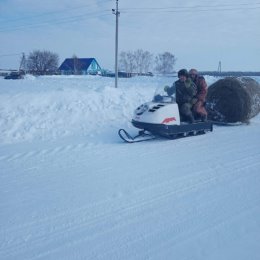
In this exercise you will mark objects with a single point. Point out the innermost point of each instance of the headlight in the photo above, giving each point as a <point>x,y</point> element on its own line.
<point>140,110</point>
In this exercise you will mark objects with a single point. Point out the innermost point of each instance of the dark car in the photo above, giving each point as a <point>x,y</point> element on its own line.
<point>14,75</point>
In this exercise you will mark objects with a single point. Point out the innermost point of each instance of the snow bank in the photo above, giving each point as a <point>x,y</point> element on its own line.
<point>43,108</point>
<point>50,107</point>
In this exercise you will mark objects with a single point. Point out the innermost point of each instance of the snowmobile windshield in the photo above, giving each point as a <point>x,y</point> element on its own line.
<point>164,94</point>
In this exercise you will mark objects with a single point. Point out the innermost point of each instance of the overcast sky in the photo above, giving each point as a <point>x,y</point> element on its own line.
<point>198,33</point>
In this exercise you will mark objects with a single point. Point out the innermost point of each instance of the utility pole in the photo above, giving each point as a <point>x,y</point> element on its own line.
<point>22,63</point>
<point>219,67</point>
<point>117,13</point>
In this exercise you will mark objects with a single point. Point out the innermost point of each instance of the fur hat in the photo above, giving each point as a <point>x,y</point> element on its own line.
<point>183,72</point>
<point>193,72</point>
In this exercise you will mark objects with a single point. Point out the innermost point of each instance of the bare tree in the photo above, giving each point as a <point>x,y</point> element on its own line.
<point>138,61</point>
<point>143,61</point>
<point>23,63</point>
<point>164,63</point>
<point>127,61</point>
<point>42,62</point>
<point>131,61</point>
<point>123,61</point>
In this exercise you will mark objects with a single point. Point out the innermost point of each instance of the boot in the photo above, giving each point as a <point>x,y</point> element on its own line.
<point>190,119</point>
<point>204,118</point>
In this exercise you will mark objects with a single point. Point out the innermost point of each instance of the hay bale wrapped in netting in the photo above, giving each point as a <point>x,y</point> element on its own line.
<point>233,100</point>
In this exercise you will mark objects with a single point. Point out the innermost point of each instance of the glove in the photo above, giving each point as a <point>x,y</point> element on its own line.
<point>158,98</point>
<point>194,101</point>
<point>169,90</point>
<point>166,88</point>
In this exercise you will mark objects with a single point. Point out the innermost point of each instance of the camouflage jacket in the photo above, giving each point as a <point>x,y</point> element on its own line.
<point>185,91</point>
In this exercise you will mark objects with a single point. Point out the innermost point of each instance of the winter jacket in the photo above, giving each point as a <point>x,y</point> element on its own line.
<point>202,88</point>
<point>185,92</point>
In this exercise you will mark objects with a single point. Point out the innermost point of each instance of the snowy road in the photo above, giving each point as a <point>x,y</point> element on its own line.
<point>83,197</point>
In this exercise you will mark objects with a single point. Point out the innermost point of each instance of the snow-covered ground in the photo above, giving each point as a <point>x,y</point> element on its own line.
<point>71,189</point>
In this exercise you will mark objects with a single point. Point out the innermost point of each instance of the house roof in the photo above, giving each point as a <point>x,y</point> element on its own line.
<point>82,63</point>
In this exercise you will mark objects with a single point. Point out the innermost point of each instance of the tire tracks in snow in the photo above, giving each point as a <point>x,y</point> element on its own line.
<point>170,189</point>
<point>37,153</point>
<point>75,228</point>
<point>189,181</point>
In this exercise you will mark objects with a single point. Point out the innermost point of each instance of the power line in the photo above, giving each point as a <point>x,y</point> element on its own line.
<point>58,21</point>
<point>53,12</point>
<point>10,54</point>
<point>192,11</point>
<point>144,10</point>
<point>186,9</point>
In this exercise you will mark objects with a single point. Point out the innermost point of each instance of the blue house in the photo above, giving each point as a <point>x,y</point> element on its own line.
<point>80,66</point>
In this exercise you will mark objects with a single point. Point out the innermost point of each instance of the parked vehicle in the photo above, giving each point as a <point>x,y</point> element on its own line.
<point>15,75</point>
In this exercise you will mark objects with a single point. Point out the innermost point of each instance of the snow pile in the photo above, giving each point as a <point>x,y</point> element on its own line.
<point>46,108</point>
<point>50,107</point>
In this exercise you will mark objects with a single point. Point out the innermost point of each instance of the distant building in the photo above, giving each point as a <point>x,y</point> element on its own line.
<point>80,66</point>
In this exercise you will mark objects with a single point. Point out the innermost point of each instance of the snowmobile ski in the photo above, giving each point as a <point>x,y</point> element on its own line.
<point>141,137</point>
<point>175,131</point>
<point>219,123</point>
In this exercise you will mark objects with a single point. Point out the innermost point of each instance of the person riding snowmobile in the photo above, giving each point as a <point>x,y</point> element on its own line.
<point>186,92</point>
<point>202,89</point>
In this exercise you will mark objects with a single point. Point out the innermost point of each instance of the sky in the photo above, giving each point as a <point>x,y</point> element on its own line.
<point>199,33</point>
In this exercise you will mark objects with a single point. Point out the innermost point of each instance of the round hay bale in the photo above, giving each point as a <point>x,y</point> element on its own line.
<point>233,100</point>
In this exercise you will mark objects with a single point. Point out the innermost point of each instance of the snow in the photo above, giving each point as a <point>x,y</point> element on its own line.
<point>71,189</point>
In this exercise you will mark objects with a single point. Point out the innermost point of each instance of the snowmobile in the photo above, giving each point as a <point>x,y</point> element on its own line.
<point>161,118</point>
